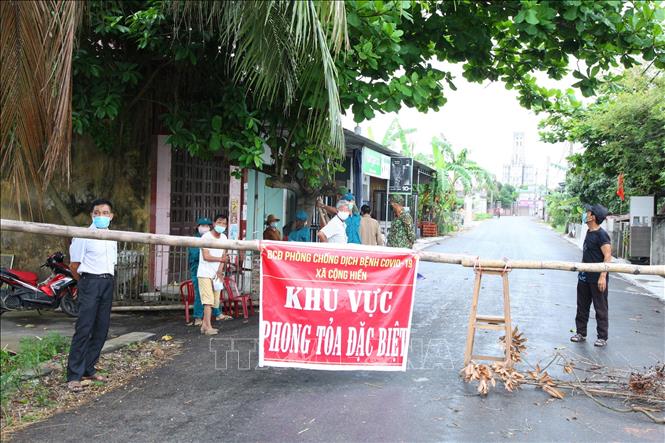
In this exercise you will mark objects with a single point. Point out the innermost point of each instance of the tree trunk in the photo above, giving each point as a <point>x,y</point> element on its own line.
<point>307,202</point>
<point>304,200</point>
<point>60,206</point>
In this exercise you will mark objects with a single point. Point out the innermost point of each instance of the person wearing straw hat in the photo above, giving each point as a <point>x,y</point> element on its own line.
<point>592,286</point>
<point>402,234</point>
<point>271,232</point>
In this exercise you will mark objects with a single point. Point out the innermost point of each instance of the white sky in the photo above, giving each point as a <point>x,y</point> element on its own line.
<point>481,118</point>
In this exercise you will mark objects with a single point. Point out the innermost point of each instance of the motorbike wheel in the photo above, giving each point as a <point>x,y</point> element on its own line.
<point>69,304</point>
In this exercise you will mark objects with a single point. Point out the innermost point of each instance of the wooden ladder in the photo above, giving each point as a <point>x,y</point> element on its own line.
<point>489,322</point>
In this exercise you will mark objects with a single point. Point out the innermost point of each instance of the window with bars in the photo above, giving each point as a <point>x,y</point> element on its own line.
<point>199,188</point>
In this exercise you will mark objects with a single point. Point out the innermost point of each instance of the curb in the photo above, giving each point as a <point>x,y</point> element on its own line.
<point>426,242</point>
<point>111,345</point>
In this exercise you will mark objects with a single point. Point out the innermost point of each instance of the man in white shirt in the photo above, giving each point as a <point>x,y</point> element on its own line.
<point>335,230</point>
<point>211,267</point>
<point>93,265</point>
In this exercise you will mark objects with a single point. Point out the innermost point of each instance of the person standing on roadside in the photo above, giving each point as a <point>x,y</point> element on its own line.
<point>211,268</point>
<point>592,286</point>
<point>271,232</point>
<point>93,266</point>
<point>352,223</point>
<point>335,230</point>
<point>402,234</point>
<point>370,233</point>
<point>203,225</point>
<point>301,232</point>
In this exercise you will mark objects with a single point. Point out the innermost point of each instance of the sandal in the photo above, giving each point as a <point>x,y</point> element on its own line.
<point>197,322</point>
<point>578,338</point>
<point>223,317</point>
<point>96,377</point>
<point>75,386</point>
<point>211,331</point>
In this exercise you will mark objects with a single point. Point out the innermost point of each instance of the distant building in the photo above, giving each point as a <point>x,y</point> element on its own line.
<point>523,177</point>
<point>517,173</point>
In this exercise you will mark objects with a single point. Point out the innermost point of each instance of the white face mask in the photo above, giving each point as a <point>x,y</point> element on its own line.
<point>204,229</point>
<point>343,215</point>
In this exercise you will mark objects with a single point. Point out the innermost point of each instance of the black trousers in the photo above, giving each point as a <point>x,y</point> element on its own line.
<point>95,296</point>
<point>586,294</point>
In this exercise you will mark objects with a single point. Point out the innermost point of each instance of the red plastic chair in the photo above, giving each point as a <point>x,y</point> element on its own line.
<point>233,294</point>
<point>235,297</point>
<point>187,296</point>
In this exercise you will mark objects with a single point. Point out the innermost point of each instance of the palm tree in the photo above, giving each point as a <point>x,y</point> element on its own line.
<point>395,133</point>
<point>280,50</point>
<point>453,168</point>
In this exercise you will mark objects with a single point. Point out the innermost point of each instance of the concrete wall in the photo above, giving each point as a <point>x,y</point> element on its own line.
<point>123,176</point>
<point>658,240</point>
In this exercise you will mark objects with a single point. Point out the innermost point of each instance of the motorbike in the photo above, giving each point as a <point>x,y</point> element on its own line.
<point>20,290</point>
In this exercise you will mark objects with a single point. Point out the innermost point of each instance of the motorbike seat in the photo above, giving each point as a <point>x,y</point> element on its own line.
<point>26,276</point>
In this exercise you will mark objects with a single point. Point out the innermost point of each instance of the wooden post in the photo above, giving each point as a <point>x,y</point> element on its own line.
<point>489,322</point>
<point>507,319</point>
<point>471,330</point>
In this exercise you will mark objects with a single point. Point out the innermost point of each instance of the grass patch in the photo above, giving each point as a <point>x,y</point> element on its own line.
<point>33,351</point>
<point>29,401</point>
<point>561,229</point>
<point>482,216</point>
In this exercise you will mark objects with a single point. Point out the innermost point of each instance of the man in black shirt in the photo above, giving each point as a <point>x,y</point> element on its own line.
<point>592,286</point>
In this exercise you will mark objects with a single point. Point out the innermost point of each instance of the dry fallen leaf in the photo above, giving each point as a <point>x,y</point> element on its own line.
<point>517,346</point>
<point>553,391</point>
<point>167,337</point>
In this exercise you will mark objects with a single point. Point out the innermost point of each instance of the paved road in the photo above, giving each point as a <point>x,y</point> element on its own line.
<point>16,325</point>
<point>196,399</point>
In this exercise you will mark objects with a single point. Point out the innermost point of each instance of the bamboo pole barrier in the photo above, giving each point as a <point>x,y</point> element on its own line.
<point>254,245</point>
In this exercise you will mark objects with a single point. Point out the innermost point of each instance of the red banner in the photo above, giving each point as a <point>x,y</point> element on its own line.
<point>335,308</point>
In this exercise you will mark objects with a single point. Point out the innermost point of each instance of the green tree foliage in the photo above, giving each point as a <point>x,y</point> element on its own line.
<point>396,138</point>
<point>213,75</point>
<point>623,131</point>
<point>135,76</point>
<point>393,44</point>
<point>563,208</point>
<point>439,199</point>
<point>507,195</point>
<point>453,168</point>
